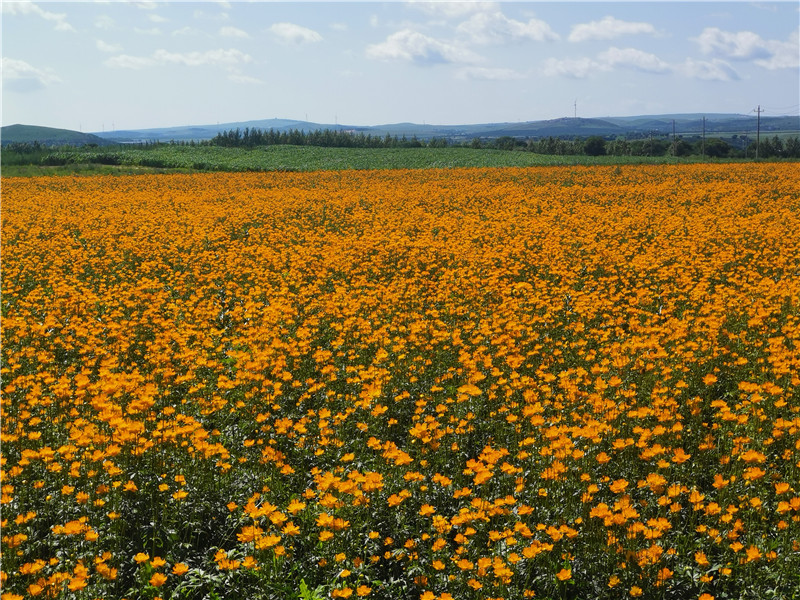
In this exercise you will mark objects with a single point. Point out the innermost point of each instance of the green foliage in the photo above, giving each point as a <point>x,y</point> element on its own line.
<point>595,146</point>
<point>292,158</point>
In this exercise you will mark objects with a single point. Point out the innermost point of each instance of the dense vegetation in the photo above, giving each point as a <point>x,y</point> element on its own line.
<point>283,158</point>
<point>775,147</point>
<point>271,150</point>
<point>552,383</point>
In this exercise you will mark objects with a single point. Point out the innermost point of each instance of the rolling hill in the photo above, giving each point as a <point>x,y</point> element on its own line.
<point>688,125</point>
<point>47,136</point>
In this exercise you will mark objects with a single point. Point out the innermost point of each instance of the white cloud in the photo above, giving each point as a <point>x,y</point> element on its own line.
<point>715,70</point>
<point>634,59</point>
<point>104,22</point>
<point>106,47</point>
<point>612,58</point>
<point>157,18</point>
<point>608,28</point>
<point>570,67</point>
<point>494,27</point>
<point>742,45</point>
<point>450,9</point>
<point>230,31</point>
<point>209,57</point>
<point>785,55</point>
<point>749,46</point>
<point>200,14</point>
<point>19,76</point>
<point>29,8</point>
<point>239,78</point>
<point>190,59</point>
<point>151,31</point>
<point>125,61</point>
<point>186,31</point>
<point>489,74</point>
<point>289,33</point>
<point>416,47</point>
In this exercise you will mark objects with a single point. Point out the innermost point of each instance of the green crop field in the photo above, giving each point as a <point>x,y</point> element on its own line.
<point>293,158</point>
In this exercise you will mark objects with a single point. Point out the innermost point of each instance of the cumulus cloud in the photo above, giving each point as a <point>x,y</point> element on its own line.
<point>246,79</point>
<point>151,31</point>
<point>452,10</point>
<point>714,70</point>
<point>415,47</point>
<point>629,58</point>
<point>749,46</point>
<point>219,57</point>
<point>633,59</point>
<point>741,45</point>
<point>20,76</point>
<point>29,8</point>
<point>230,31</point>
<point>104,22</point>
<point>494,27</point>
<point>608,28</point>
<point>786,55</point>
<point>577,68</point>
<point>106,47</point>
<point>186,30</point>
<point>289,33</point>
<point>489,74</point>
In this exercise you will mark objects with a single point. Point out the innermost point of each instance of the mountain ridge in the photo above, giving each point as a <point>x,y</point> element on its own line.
<point>685,124</point>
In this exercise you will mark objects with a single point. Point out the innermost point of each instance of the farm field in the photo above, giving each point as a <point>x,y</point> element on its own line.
<point>290,158</point>
<point>525,382</point>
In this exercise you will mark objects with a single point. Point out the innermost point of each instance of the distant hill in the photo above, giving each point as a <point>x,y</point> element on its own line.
<point>637,126</point>
<point>687,125</point>
<point>47,136</point>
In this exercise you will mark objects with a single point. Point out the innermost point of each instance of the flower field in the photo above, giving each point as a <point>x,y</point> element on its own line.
<point>549,382</point>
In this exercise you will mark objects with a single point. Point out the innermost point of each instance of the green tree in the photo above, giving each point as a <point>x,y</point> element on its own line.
<point>717,148</point>
<point>594,146</point>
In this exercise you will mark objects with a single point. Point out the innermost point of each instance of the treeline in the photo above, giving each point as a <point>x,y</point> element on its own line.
<point>325,138</point>
<point>774,147</point>
<point>592,146</point>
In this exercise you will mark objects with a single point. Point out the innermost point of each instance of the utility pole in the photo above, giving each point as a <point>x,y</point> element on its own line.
<point>575,105</point>
<point>674,142</point>
<point>704,137</point>
<point>758,111</point>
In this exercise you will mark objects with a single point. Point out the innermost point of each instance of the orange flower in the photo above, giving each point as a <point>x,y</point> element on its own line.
<point>564,574</point>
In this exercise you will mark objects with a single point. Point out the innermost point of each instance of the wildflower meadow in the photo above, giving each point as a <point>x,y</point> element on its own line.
<point>436,384</point>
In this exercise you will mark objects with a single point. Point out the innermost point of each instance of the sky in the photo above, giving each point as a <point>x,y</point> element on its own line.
<point>103,66</point>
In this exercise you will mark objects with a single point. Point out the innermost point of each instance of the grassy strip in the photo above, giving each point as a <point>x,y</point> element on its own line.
<point>296,158</point>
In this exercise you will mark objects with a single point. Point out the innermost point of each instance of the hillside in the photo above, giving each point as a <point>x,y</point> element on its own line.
<point>568,127</point>
<point>47,136</point>
<point>688,125</point>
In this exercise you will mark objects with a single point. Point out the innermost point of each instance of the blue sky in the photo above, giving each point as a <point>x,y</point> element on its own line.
<point>120,65</point>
